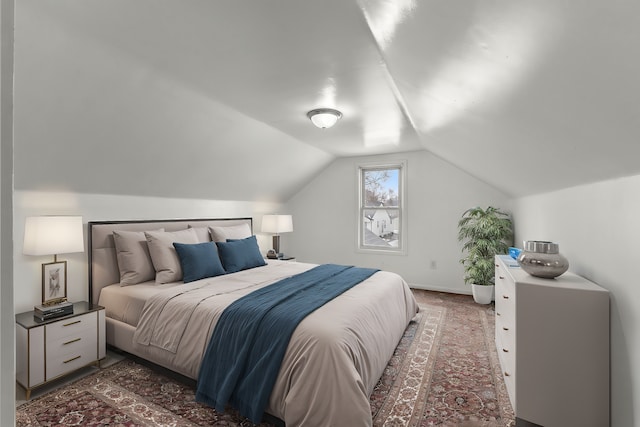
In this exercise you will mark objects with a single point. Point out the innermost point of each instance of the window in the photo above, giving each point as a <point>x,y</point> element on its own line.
<point>381,214</point>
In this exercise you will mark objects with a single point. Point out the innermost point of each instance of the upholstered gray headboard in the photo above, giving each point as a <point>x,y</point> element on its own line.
<point>103,263</point>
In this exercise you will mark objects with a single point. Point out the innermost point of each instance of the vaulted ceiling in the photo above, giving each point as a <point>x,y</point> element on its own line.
<point>208,98</point>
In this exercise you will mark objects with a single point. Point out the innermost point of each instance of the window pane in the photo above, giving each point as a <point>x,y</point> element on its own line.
<point>381,228</point>
<point>381,187</point>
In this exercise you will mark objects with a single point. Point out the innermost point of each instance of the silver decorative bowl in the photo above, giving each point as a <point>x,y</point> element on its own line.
<point>542,259</point>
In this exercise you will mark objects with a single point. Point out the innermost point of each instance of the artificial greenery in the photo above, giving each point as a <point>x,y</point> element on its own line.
<point>485,233</point>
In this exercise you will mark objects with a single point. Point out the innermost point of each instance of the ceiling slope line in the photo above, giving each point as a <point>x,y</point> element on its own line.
<point>405,109</point>
<point>389,76</point>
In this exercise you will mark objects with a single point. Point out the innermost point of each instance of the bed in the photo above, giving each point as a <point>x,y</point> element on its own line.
<point>334,358</point>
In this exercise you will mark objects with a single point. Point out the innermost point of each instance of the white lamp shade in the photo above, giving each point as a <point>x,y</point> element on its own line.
<point>52,235</point>
<point>277,224</point>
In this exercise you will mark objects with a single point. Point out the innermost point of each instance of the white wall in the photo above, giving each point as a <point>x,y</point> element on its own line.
<point>325,215</point>
<point>7,320</point>
<point>98,207</point>
<point>598,229</point>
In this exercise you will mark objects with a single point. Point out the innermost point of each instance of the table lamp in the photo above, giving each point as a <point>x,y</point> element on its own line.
<point>277,224</point>
<point>53,235</point>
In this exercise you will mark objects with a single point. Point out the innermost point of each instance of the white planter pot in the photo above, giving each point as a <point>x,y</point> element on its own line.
<point>482,294</point>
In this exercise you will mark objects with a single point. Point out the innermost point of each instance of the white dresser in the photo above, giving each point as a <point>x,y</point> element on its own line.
<point>552,337</point>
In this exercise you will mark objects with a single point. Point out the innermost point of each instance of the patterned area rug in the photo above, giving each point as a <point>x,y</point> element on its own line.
<point>465,387</point>
<point>443,372</point>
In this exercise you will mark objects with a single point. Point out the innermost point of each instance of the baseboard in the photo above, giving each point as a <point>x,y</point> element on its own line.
<point>439,289</point>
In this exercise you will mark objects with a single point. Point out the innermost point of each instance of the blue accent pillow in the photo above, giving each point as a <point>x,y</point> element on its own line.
<point>198,260</point>
<point>237,255</point>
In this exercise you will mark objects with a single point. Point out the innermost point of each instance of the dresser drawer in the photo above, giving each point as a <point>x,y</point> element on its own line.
<point>505,320</point>
<point>505,312</point>
<point>508,373</point>
<point>507,338</point>
<point>505,346</point>
<point>505,290</point>
<point>505,300</point>
<point>66,328</point>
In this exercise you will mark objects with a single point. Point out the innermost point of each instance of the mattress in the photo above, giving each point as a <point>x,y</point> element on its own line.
<point>126,303</point>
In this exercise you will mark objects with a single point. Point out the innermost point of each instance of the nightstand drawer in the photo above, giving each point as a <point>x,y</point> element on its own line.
<point>60,330</point>
<point>72,344</point>
<point>77,357</point>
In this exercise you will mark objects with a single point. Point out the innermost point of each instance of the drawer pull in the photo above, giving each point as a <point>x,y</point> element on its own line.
<point>501,277</point>
<point>507,374</point>
<point>505,296</point>
<point>72,359</point>
<point>72,323</point>
<point>504,328</point>
<point>505,350</point>
<point>498,314</point>
<point>72,341</point>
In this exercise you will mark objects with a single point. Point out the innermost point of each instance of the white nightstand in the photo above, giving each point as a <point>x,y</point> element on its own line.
<point>49,349</point>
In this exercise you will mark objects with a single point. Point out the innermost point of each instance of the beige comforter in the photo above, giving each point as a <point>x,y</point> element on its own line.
<point>335,356</point>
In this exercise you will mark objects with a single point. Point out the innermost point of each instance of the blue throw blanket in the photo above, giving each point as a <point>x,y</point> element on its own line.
<point>245,352</point>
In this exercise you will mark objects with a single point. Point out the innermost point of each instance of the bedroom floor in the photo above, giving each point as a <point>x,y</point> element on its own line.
<point>109,360</point>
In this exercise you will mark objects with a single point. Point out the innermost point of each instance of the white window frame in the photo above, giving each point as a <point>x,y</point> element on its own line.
<point>402,194</point>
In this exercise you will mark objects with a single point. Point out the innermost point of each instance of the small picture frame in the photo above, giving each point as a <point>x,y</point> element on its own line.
<point>54,282</point>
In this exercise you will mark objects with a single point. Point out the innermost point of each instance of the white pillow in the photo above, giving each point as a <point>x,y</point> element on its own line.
<point>222,233</point>
<point>163,254</point>
<point>134,260</point>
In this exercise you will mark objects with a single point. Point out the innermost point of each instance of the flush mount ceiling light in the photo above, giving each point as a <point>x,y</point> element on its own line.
<point>324,117</point>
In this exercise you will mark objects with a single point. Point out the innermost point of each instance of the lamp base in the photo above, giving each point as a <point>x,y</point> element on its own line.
<point>276,243</point>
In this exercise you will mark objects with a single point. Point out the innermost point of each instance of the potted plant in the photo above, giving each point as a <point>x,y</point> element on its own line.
<point>485,233</point>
